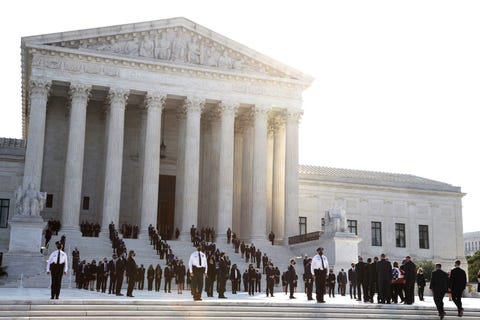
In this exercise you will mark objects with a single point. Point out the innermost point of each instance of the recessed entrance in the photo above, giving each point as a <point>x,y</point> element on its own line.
<point>166,206</point>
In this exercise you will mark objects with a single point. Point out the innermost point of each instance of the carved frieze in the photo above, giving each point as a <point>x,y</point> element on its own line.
<point>177,45</point>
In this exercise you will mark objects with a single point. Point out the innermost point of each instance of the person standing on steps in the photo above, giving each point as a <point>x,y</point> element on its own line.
<point>131,267</point>
<point>57,266</point>
<point>197,266</point>
<point>319,269</point>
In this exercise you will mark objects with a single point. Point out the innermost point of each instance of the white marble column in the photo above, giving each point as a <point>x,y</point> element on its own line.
<point>151,163</point>
<point>259,185</point>
<point>72,185</point>
<point>180,168</point>
<point>39,91</point>
<point>237,179</point>
<point>194,109</point>
<point>291,174</point>
<point>225,168</point>
<point>278,218</point>
<point>247,177</point>
<point>114,157</point>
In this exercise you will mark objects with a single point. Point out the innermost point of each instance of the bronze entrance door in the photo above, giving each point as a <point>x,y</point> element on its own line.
<point>166,206</point>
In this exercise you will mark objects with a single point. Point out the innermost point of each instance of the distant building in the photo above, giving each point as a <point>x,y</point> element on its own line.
<point>472,242</point>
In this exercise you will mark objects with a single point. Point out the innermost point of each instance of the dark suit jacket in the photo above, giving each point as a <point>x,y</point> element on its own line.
<point>439,282</point>
<point>458,280</point>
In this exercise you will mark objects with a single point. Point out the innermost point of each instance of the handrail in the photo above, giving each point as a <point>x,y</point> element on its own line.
<point>304,237</point>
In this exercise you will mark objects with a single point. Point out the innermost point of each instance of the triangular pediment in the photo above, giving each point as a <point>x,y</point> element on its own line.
<point>173,41</point>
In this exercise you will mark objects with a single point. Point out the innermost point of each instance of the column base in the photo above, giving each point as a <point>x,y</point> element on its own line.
<point>26,233</point>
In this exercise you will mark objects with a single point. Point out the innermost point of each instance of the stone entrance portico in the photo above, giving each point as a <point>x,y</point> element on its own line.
<point>98,103</point>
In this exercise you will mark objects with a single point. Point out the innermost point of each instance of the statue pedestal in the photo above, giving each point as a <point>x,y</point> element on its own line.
<point>341,249</point>
<point>26,234</point>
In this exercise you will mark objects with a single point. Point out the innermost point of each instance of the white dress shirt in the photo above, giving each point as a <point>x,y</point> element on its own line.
<point>53,259</point>
<point>194,261</point>
<point>317,263</point>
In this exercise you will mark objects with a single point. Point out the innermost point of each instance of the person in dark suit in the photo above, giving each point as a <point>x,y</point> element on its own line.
<point>291,276</point>
<point>361,271</point>
<point>57,266</point>
<point>352,281</point>
<point>458,282</point>
<point>150,277</point>
<point>112,268</point>
<point>410,277</point>
<point>131,268</point>
<point>384,280</point>
<point>235,277</point>
<point>120,271</point>
<point>439,286</point>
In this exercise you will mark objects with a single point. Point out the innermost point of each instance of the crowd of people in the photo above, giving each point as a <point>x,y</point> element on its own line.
<point>90,229</point>
<point>374,280</point>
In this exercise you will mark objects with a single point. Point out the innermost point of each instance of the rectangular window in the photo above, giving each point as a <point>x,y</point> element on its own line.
<point>49,201</point>
<point>423,236</point>
<point>4,207</point>
<point>376,234</point>
<point>352,226</point>
<point>86,203</point>
<point>400,235</point>
<point>303,224</point>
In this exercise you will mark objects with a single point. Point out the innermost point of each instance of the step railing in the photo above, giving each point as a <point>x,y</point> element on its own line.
<point>312,236</point>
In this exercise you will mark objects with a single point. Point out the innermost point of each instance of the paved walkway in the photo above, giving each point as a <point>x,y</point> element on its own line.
<point>39,294</point>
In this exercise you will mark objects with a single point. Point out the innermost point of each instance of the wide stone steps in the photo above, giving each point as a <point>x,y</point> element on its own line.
<point>144,309</point>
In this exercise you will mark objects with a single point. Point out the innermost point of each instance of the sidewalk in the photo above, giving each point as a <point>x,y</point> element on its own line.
<point>43,294</point>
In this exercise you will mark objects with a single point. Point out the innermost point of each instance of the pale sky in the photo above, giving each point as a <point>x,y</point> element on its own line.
<point>397,83</point>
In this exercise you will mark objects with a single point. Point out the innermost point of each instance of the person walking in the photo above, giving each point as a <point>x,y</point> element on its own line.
<point>439,286</point>
<point>57,266</point>
<point>197,266</point>
<point>319,272</point>
<point>458,282</point>
<point>384,280</point>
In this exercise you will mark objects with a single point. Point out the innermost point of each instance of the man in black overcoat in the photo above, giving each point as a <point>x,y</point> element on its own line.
<point>458,282</point>
<point>439,286</point>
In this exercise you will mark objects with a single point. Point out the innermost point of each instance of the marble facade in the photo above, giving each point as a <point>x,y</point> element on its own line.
<point>99,104</point>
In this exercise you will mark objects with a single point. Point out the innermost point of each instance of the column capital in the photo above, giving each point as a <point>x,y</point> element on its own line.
<point>118,96</point>
<point>277,121</point>
<point>155,101</point>
<point>293,115</point>
<point>194,104</point>
<point>80,91</point>
<point>228,107</point>
<point>39,87</point>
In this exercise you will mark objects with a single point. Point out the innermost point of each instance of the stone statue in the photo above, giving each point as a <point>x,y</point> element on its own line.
<point>29,202</point>
<point>163,48</point>
<point>179,50</point>
<point>335,221</point>
<point>194,52</point>
<point>146,48</point>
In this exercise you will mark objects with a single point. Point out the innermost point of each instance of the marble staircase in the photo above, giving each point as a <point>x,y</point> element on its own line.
<point>145,309</point>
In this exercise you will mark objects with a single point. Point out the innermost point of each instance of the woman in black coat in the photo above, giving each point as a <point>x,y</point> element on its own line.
<point>150,277</point>
<point>420,283</point>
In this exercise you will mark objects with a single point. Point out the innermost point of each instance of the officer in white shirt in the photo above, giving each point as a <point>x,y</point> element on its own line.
<point>319,270</point>
<point>57,266</point>
<point>197,266</point>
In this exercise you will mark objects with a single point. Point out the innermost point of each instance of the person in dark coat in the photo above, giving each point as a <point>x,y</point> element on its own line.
<point>270,277</point>
<point>352,281</point>
<point>458,282</point>
<point>362,280</point>
<point>372,278</point>
<point>168,275</point>
<point>331,279</point>
<point>410,277</point>
<point>121,263</point>
<point>150,277</point>
<point>180,276</point>
<point>235,277</point>
<point>211,276</point>
<point>420,283</point>
<point>131,268</point>
<point>384,280</point>
<point>140,277</point>
<point>245,280</point>
<point>439,286</point>
<point>222,276</point>
<point>251,280</point>
<point>342,281</point>
<point>291,276</point>
<point>112,269</point>
<point>158,277</point>
<point>308,278</point>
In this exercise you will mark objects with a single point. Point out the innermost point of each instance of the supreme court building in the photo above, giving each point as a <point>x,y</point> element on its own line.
<point>171,124</point>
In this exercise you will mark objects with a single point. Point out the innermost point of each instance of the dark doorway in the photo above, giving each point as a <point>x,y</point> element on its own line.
<point>166,206</point>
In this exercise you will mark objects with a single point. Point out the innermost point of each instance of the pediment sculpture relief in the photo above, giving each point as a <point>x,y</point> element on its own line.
<point>176,45</point>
